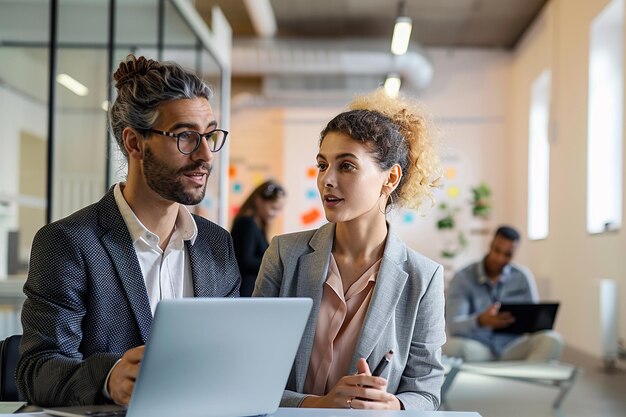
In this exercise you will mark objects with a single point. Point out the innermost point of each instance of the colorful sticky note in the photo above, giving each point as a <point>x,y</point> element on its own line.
<point>232,171</point>
<point>237,188</point>
<point>453,191</point>
<point>311,172</point>
<point>257,178</point>
<point>450,173</point>
<point>311,194</point>
<point>310,216</point>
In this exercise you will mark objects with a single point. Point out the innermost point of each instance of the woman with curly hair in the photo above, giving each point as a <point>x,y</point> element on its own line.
<point>372,294</point>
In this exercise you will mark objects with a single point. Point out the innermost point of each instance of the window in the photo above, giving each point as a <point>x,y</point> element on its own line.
<point>539,157</point>
<point>604,136</point>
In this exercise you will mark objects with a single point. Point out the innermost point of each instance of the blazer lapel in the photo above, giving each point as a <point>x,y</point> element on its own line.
<point>119,245</point>
<point>200,267</point>
<point>387,291</point>
<point>311,272</point>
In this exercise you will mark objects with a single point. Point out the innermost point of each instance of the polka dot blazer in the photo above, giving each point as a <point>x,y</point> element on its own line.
<point>87,302</point>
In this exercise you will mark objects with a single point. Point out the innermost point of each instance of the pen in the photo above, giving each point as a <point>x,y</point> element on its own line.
<point>382,365</point>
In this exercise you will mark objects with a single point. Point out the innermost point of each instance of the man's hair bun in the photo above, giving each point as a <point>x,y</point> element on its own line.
<point>133,68</point>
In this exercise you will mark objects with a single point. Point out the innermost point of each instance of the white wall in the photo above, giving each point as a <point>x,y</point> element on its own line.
<point>570,259</point>
<point>467,99</point>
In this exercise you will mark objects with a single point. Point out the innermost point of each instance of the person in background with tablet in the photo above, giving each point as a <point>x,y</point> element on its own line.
<point>96,277</point>
<point>373,296</point>
<point>250,229</point>
<point>474,297</point>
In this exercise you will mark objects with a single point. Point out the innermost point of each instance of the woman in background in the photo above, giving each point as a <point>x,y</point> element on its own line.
<point>371,293</point>
<point>250,229</point>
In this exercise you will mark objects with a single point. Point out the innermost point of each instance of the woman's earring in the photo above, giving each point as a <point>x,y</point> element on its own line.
<point>388,207</point>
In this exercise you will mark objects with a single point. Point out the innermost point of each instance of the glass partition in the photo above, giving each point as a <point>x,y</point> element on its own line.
<point>24,59</point>
<point>79,158</point>
<point>79,106</point>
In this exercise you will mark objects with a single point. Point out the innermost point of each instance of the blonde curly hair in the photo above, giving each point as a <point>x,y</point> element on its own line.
<point>398,132</point>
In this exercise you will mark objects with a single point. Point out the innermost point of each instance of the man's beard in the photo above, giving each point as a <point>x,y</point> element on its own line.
<point>167,182</point>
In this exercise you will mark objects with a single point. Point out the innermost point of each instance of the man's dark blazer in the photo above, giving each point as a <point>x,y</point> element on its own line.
<point>87,302</point>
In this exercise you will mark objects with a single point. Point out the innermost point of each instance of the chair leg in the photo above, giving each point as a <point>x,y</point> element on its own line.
<point>564,389</point>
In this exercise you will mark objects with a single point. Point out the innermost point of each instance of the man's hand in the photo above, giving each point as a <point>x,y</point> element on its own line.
<point>357,391</point>
<point>123,376</point>
<point>494,319</point>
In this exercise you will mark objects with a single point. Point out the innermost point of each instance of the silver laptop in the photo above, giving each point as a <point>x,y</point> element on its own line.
<point>210,357</point>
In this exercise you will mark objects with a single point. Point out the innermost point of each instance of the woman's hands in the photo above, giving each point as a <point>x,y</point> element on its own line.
<point>362,391</point>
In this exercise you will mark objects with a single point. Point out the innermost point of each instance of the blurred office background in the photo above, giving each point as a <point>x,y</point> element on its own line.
<point>527,96</point>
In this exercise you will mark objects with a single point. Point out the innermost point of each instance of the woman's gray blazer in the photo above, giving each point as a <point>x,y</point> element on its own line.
<point>406,312</point>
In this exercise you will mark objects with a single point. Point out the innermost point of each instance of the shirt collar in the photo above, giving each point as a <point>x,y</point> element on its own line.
<point>334,279</point>
<point>185,224</point>
<point>482,275</point>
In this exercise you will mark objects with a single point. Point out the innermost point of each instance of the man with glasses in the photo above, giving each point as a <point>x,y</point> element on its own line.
<point>96,276</point>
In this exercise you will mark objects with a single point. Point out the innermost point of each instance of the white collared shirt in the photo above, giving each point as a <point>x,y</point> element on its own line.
<point>167,274</point>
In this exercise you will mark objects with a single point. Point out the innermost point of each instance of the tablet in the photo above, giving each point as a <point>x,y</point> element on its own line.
<point>530,318</point>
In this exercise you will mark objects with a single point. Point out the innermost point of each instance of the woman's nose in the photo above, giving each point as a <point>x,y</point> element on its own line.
<point>327,179</point>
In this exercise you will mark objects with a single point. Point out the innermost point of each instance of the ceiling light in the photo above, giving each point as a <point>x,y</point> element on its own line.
<point>401,30</point>
<point>392,85</point>
<point>401,35</point>
<point>71,84</point>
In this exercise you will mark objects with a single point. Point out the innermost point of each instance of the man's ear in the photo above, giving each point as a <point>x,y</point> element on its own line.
<point>393,179</point>
<point>133,143</point>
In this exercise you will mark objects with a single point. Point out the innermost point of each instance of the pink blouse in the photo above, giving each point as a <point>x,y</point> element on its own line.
<point>339,324</point>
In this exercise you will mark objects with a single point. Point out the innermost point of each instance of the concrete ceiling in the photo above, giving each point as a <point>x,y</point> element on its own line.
<point>334,47</point>
<point>436,23</point>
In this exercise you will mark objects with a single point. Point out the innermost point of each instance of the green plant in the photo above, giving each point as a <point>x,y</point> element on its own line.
<point>481,201</point>
<point>461,243</point>
<point>447,221</point>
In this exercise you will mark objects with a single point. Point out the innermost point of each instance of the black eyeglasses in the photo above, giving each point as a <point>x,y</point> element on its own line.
<point>188,141</point>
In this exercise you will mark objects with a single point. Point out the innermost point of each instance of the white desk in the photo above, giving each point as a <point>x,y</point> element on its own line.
<point>33,411</point>
<point>318,412</point>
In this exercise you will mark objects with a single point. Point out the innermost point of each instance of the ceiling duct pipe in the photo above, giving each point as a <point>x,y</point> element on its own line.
<point>274,57</point>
